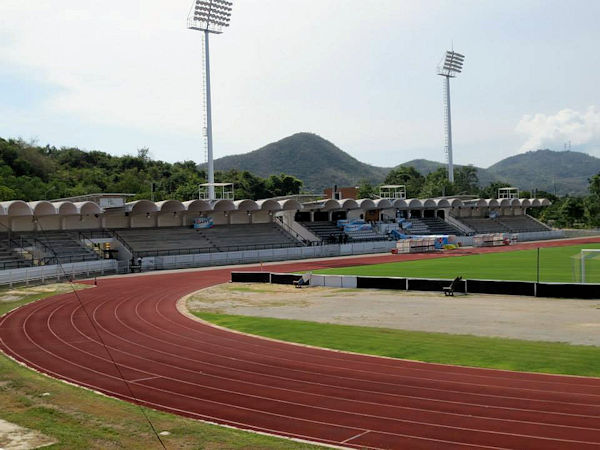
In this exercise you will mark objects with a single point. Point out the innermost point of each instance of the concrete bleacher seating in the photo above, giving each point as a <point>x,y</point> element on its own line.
<point>432,225</point>
<point>58,246</point>
<point>11,259</point>
<point>504,224</point>
<point>484,225</point>
<point>181,240</point>
<point>522,224</point>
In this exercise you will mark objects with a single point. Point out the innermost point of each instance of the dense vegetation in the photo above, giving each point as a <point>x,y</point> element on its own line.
<point>29,172</point>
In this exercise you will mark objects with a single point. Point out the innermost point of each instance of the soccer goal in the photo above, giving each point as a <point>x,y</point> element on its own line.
<point>589,263</point>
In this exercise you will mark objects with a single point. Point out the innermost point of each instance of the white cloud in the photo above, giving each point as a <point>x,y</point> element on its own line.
<point>581,128</point>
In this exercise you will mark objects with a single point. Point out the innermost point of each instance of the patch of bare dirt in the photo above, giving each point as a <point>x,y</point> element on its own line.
<point>14,437</point>
<point>540,319</point>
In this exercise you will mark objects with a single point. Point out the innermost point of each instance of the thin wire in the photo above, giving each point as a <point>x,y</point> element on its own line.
<point>100,337</point>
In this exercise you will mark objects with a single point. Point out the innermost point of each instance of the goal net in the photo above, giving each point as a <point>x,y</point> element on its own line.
<point>586,266</point>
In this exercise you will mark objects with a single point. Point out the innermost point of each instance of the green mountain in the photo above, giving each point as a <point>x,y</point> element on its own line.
<point>309,157</point>
<point>424,166</point>
<point>564,172</point>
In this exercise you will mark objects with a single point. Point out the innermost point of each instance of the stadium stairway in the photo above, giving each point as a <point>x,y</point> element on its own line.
<point>325,230</point>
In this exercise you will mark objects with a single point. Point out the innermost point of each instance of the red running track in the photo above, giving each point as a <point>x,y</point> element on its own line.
<point>183,366</point>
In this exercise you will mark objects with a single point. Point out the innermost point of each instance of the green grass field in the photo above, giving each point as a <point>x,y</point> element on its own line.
<point>558,264</point>
<point>498,353</point>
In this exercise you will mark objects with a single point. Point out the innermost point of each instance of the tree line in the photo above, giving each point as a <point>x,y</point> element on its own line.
<point>29,172</point>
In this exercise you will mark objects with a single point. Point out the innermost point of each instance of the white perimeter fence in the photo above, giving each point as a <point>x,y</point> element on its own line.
<point>51,273</point>
<point>275,254</point>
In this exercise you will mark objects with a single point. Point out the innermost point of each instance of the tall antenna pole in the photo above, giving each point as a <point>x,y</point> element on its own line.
<point>209,16</point>
<point>452,66</point>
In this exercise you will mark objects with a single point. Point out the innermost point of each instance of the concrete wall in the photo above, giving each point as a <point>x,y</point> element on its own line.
<point>116,221</point>
<point>49,223</point>
<point>239,218</point>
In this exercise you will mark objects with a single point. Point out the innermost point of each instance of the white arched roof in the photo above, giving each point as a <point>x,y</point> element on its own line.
<point>330,204</point>
<point>382,203</point>
<point>400,203</point>
<point>197,205</point>
<point>525,202</point>
<point>545,202</point>
<point>290,204</point>
<point>414,203</point>
<point>223,205</point>
<point>535,202</point>
<point>492,203</point>
<point>17,208</point>
<point>506,202</point>
<point>141,207</point>
<point>170,206</point>
<point>43,208</point>
<point>246,205</point>
<point>66,208</point>
<point>456,203</point>
<point>442,203</point>
<point>88,208</point>
<point>348,203</point>
<point>268,204</point>
<point>365,204</point>
<point>429,203</point>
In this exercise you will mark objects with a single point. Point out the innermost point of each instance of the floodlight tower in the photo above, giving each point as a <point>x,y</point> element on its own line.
<point>449,69</point>
<point>209,16</point>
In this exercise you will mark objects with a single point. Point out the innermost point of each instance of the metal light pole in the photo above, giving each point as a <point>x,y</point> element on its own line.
<point>209,16</point>
<point>449,69</point>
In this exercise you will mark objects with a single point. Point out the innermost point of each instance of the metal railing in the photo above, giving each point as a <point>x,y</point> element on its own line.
<point>123,242</point>
<point>279,221</point>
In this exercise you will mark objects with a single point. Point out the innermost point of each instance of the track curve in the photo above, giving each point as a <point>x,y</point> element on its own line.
<point>183,366</point>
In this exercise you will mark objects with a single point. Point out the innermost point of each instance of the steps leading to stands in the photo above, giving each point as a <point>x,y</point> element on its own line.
<point>325,230</point>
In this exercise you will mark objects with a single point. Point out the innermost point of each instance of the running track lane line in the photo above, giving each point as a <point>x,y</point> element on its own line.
<point>139,298</point>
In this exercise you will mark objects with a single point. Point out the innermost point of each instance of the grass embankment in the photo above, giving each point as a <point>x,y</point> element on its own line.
<point>498,353</point>
<point>557,264</point>
<point>80,419</point>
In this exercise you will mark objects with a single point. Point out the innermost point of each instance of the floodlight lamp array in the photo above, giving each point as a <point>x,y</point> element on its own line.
<point>210,15</point>
<point>453,63</point>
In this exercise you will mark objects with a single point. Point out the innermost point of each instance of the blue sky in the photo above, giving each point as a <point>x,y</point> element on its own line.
<point>118,76</point>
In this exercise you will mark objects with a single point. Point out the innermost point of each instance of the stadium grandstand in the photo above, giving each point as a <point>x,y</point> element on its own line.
<point>85,230</point>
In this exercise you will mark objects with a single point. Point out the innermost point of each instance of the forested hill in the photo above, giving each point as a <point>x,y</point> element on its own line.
<point>314,160</point>
<point>565,172</point>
